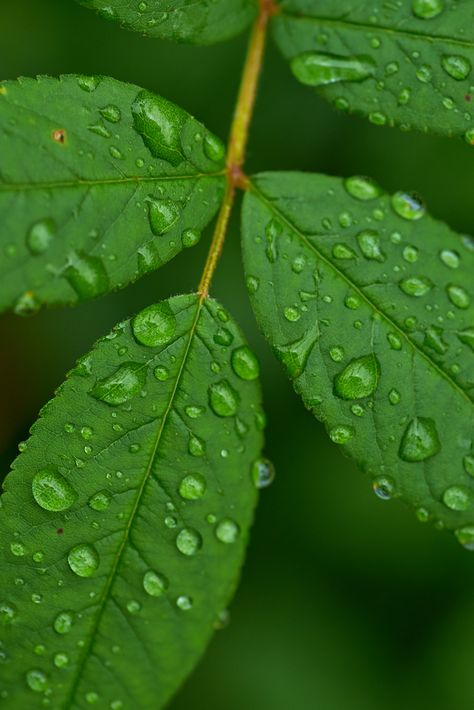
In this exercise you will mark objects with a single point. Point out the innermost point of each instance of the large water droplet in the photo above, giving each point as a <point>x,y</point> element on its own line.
<point>40,236</point>
<point>154,584</point>
<point>262,473</point>
<point>87,275</point>
<point>223,399</point>
<point>245,364</point>
<point>362,188</point>
<point>416,285</point>
<point>227,531</point>
<point>125,383</point>
<point>188,542</point>
<point>294,356</point>
<point>155,325</point>
<point>358,379</point>
<point>192,486</point>
<point>408,205</point>
<point>37,680</point>
<point>83,559</point>
<point>319,69</point>
<point>159,123</point>
<point>420,440</point>
<point>427,9</point>
<point>163,215</point>
<point>457,497</point>
<point>458,296</point>
<point>456,66</point>
<point>52,491</point>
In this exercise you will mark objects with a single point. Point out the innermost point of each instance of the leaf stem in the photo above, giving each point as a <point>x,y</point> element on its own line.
<point>238,138</point>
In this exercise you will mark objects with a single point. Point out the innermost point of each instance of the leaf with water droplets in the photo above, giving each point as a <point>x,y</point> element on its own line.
<point>197,22</point>
<point>125,519</point>
<point>86,211</point>
<point>409,64</point>
<point>379,346</point>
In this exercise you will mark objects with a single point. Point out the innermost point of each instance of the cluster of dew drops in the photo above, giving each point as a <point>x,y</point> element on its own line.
<point>155,325</point>
<point>359,379</point>
<point>85,273</point>
<point>319,69</point>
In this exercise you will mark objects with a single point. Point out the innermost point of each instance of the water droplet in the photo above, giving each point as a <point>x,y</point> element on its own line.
<point>7,612</point>
<point>465,536</point>
<point>434,339</point>
<point>416,286</point>
<point>111,113</point>
<point>336,354</point>
<point>468,462</point>
<point>245,364</point>
<point>369,243</point>
<point>190,237</point>
<point>394,341</point>
<point>125,383</point>
<point>89,83</point>
<point>420,440</point>
<point>155,325</point>
<point>61,660</point>
<point>456,66</point>
<point>227,531</point>
<point>408,205</point>
<point>154,584</point>
<point>341,434</point>
<point>223,337</point>
<point>40,236</point>
<point>184,602</point>
<point>292,314</point>
<point>319,69</point>
<point>214,148</point>
<point>427,9</point>
<point>467,337</point>
<point>450,258</point>
<point>26,305</point>
<point>358,379</point>
<point>194,411</point>
<point>163,214</point>
<point>133,606</point>
<point>52,491</point>
<point>384,487</point>
<point>458,296</point>
<point>83,559</point>
<point>87,275</point>
<point>192,486</point>
<point>341,251</point>
<point>410,254</point>
<point>394,396</point>
<point>37,680</point>
<point>161,373</point>
<point>188,541</point>
<point>63,622</point>
<point>252,284</point>
<point>262,473</point>
<point>362,188</point>
<point>196,446</point>
<point>159,122</point>
<point>100,501</point>
<point>294,356</point>
<point>223,399</point>
<point>457,497</point>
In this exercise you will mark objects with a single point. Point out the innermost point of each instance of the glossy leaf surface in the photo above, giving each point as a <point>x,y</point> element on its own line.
<point>407,63</point>
<point>197,22</point>
<point>125,518</point>
<point>100,182</point>
<point>368,303</point>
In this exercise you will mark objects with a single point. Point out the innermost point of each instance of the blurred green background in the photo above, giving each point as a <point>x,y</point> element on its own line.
<point>346,602</point>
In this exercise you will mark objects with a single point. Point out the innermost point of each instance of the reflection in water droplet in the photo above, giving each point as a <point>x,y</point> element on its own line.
<point>384,487</point>
<point>83,559</point>
<point>420,440</point>
<point>155,325</point>
<point>52,491</point>
<point>262,473</point>
<point>126,382</point>
<point>111,113</point>
<point>358,379</point>
<point>319,69</point>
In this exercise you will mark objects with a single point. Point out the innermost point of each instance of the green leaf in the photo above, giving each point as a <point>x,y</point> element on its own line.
<point>197,22</point>
<point>125,518</point>
<point>407,63</point>
<point>368,303</point>
<point>100,182</point>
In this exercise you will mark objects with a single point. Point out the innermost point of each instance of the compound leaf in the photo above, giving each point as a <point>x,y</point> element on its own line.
<point>197,22</point>
<point>407,63</point>
<point>100,182</point>
<point>125,518</point>
<point>367,301</point>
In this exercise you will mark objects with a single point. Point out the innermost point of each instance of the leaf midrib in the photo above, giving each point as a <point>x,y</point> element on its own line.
<point>111,578</point>
<point>23,187</point>
<point>361,293</point>
<point>366,27</point>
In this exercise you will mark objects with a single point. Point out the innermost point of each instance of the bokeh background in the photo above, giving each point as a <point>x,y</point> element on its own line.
<point>346,602</point>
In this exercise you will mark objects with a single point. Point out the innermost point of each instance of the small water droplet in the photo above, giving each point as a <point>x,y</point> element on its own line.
<point>7,612</point>
<point>37,680</point>
<point>154,584</point>
<point>341,434</point>
<point>245,364</point>
<point>111,113</point>
<point>61,660</point>
<point>184,602</point>
<point>227,531</point>
<point>262,473</point>
<point>369,243</point>
<point>63,622</point>
<point>196,446</point>
<point>457,498</point>
<point>427,9</point>
<point>408,205</point>
<point>458,296</point>
<point>223,399</point>
<point>188,541</point>
<point>40,236</point>
<point>384,487</point>
<point>190,237</point>
<point>416,286</point>
<point>465,536</point>
<point>192,486</point>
